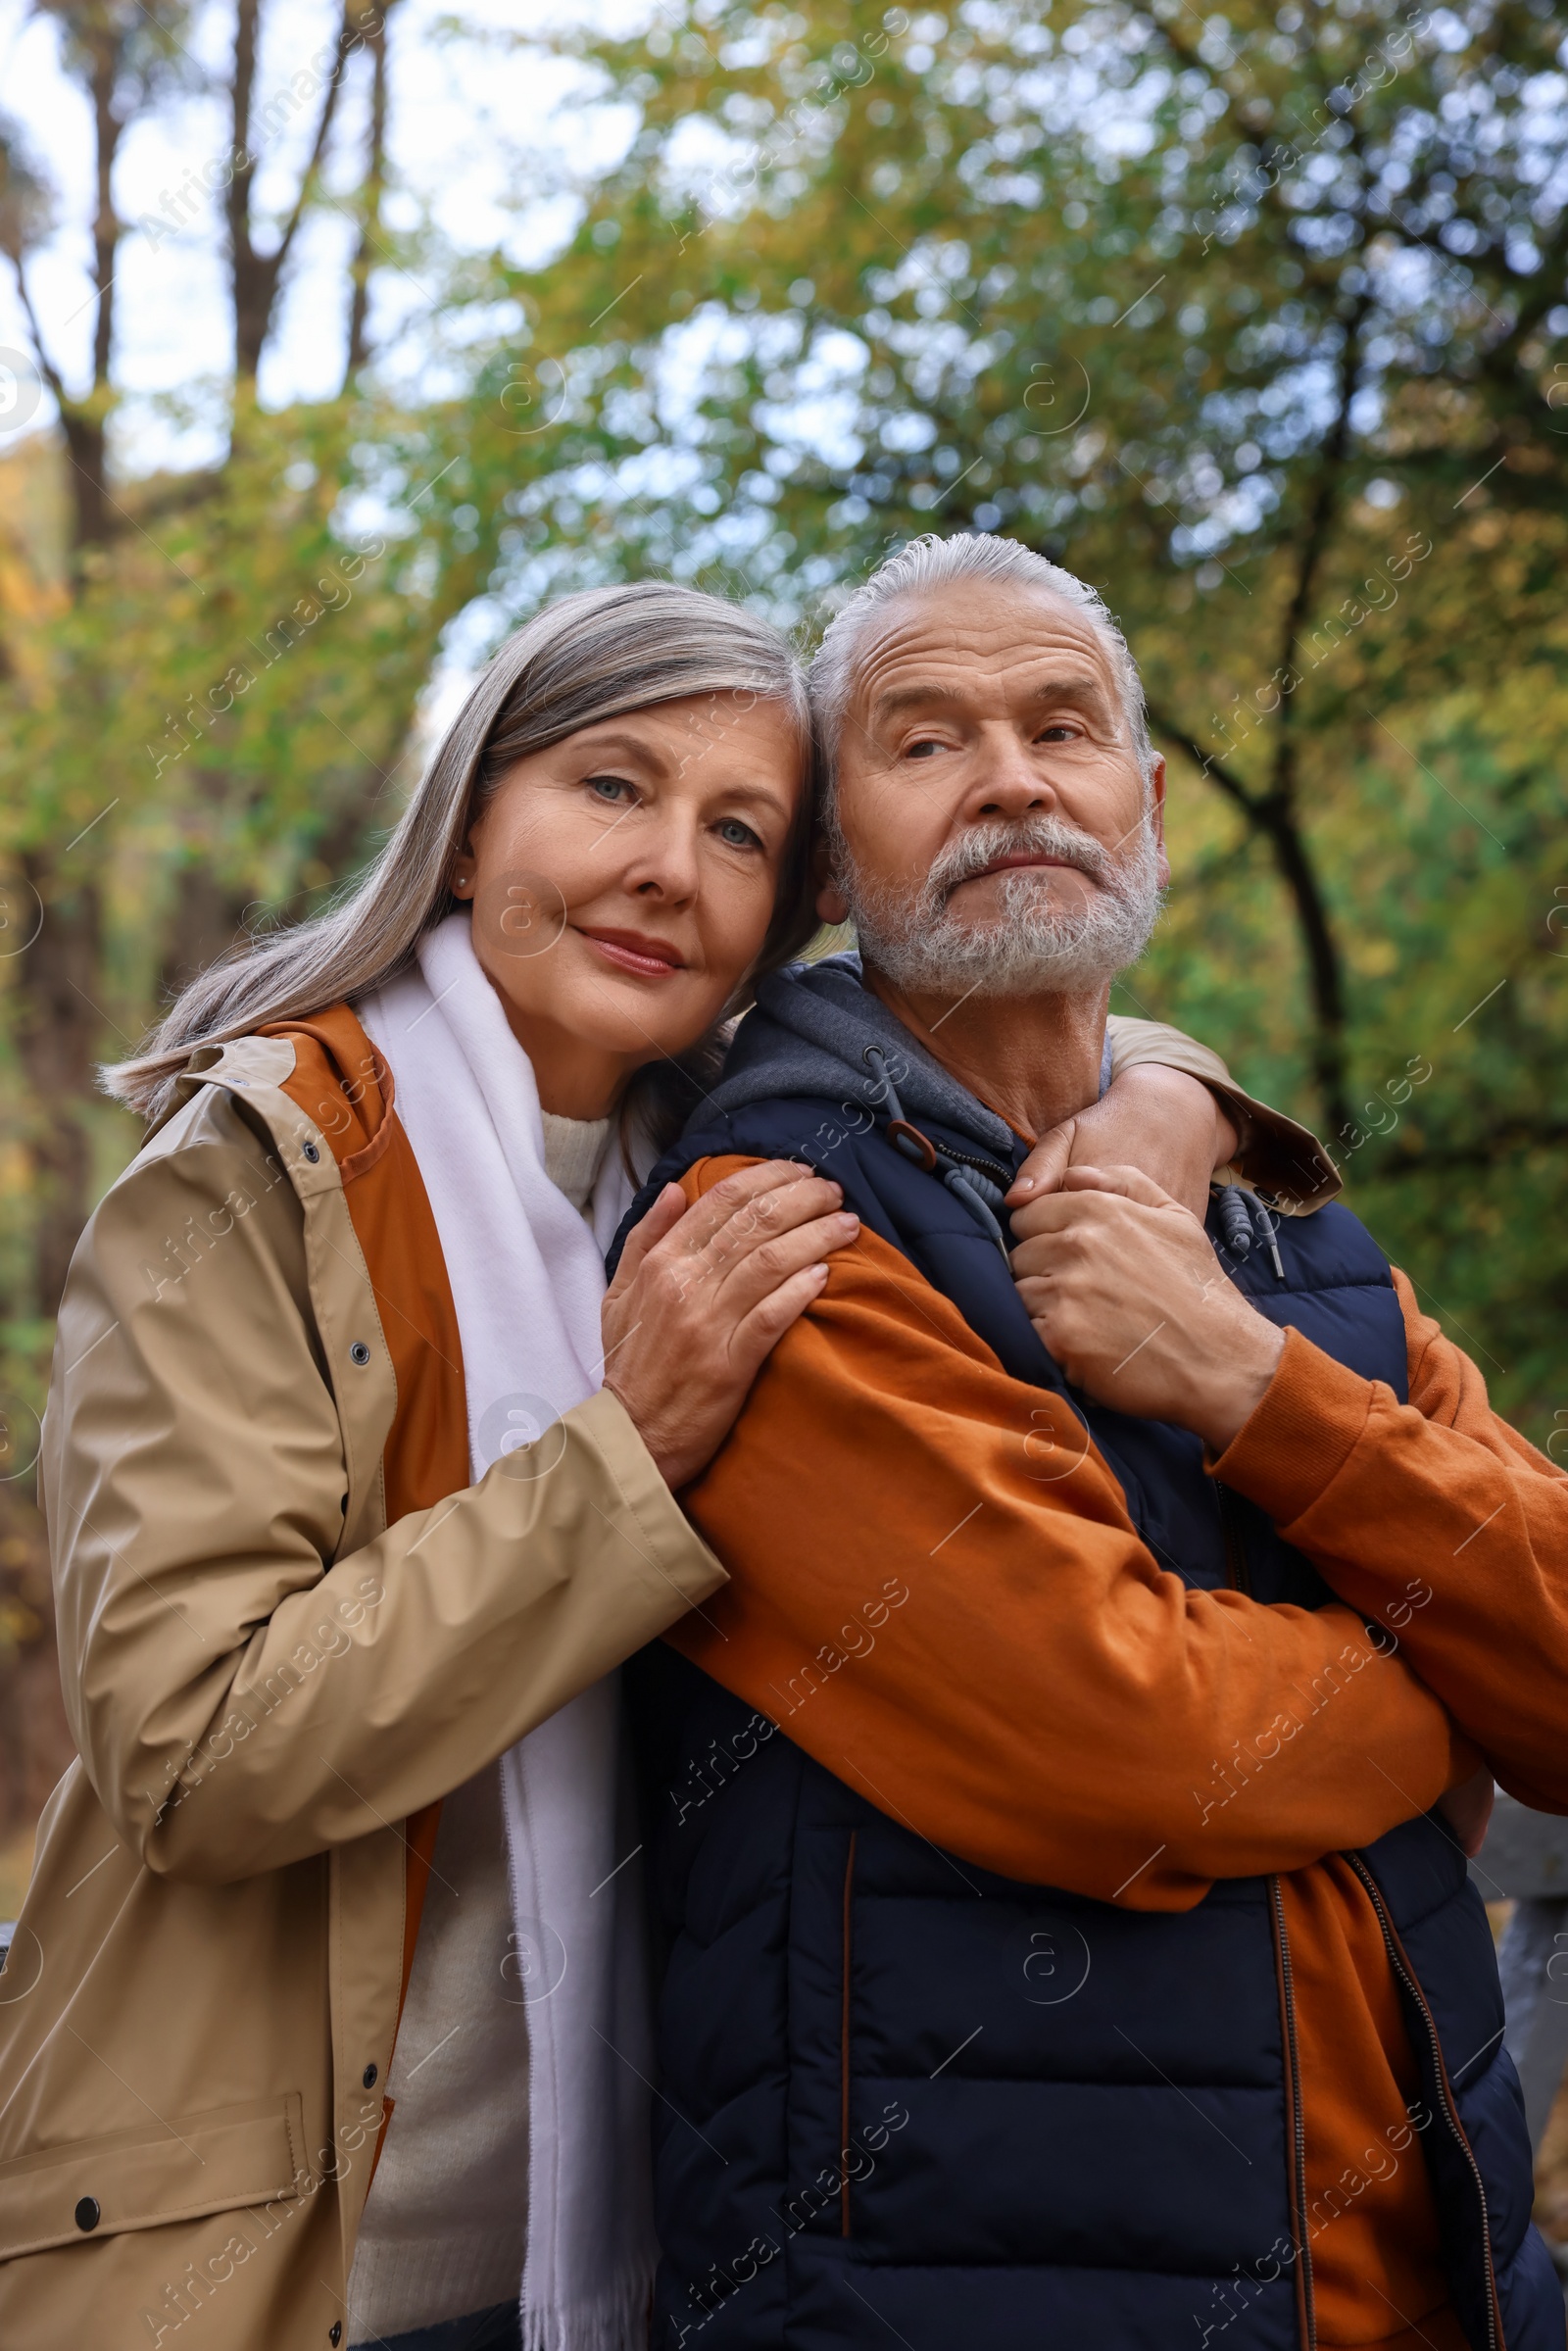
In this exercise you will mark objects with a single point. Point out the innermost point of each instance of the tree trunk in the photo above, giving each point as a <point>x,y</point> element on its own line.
<point>247,292</point>
<point>1274,816</point>
<point>1276,809</point>
<point>58,1029</point>
<point>90,509</point>
<point>207,921</point>
<point>370,200</point>
<point>1277,819</point>
<point>82,421</point>
<point>257,277</point>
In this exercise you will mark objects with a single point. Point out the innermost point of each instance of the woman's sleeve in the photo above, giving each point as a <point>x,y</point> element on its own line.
<point>1278,1156</point>
<point>241,1696</point>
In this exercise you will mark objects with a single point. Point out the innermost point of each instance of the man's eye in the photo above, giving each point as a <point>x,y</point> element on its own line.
<point>1064,731</point>
<point>611,788</point>
<point>922,748</point>
<point>736,835</point>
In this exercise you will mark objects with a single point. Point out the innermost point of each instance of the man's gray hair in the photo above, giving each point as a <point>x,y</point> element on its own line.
<point>935,562</point>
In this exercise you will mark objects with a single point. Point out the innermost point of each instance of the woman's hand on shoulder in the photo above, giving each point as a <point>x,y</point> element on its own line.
<point>704,1294</point>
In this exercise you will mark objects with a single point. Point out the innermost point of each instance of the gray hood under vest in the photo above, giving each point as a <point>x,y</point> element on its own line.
<point>808,1035</point>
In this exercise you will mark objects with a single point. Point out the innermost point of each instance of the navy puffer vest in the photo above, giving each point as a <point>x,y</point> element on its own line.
<point>905,2100</point>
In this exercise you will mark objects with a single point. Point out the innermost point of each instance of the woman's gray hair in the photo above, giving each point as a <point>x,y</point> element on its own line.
<point>937,562</point>
<point>585,658</point>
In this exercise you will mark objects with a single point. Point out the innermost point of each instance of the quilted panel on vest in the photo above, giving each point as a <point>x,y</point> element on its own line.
<point>1104,2170</point>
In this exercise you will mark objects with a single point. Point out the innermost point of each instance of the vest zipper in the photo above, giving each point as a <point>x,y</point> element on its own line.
<point>843,2052</point>
<point>986,1167</point>
<point>1305,2303</point>
<point>1450,2112</point>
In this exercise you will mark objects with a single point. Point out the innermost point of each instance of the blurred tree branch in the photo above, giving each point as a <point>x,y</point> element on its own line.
<point>373,187</point>
<point>255,276</point>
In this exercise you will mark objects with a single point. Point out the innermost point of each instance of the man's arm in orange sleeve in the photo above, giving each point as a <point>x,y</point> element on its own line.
<point>1440,1520</point>
<point>937,1591</point>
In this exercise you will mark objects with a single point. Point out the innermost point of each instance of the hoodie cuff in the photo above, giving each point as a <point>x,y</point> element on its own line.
<point>1300,1436</point>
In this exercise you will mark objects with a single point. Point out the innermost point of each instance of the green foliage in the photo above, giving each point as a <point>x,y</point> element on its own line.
<point>1251,321</point>
<point>1255,320</point>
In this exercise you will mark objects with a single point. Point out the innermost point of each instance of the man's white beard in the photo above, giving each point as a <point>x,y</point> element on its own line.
<point>1027,946</point>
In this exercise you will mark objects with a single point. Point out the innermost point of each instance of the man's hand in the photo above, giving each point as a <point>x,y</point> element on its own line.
<point>1159,1120</point>
<point>1123,1286</point>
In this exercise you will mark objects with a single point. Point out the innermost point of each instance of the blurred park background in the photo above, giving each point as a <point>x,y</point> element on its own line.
<point>334,338</point>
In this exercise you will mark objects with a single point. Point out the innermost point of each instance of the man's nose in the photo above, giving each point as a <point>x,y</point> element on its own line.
<point>1007,780</point>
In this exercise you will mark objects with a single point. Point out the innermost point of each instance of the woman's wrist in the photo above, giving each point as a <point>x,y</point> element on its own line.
<point>1233,1131</point>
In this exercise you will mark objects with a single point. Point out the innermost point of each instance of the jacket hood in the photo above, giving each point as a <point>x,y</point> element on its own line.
<point>807,1034</point>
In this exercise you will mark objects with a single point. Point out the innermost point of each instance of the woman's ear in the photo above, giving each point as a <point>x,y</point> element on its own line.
<point>465,871</point>
<point>831,903</point>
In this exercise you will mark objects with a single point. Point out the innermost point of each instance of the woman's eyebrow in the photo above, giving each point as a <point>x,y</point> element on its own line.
<point>625,747</point>
<point>760,795</point>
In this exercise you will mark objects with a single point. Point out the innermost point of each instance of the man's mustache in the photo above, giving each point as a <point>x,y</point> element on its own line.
<point>975,853</point>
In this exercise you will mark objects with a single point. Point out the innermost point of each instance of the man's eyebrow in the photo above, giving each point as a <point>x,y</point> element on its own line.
<point>906,698</point>
<point>1088,692</point>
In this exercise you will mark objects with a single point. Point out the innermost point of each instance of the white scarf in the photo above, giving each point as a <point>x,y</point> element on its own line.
<point>527,1278</point>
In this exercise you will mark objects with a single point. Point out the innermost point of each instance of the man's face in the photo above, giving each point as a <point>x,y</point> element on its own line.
<point>993,825</point>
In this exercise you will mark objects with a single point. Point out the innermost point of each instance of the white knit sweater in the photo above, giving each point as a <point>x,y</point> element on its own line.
<point>445,2230</point>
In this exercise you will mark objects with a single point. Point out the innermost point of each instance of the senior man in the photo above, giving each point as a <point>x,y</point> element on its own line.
<point>1064,1939</point>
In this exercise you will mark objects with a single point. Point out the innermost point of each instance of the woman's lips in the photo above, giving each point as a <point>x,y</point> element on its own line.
<point>632,950</point>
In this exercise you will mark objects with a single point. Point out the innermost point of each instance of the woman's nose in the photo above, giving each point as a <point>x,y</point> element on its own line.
<point>664,866</point>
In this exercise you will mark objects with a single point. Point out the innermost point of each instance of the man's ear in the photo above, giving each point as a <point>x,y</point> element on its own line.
<point>831,903</point>
<point>1157,787</point>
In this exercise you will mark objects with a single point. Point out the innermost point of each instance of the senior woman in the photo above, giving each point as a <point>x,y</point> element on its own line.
<point>325,2023</point>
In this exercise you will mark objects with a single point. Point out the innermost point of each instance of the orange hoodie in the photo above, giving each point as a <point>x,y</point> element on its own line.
<point>894,1508</point>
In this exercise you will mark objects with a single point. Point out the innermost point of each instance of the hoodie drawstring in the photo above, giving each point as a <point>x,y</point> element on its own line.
<point>978,1194</point>
<point>1243,1220</point>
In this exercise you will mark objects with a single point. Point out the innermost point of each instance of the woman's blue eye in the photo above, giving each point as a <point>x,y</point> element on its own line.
<point>736,835</point>
<point>610,787</point>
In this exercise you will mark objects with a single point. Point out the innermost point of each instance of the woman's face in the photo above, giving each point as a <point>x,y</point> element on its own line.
<point>624,882</point>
